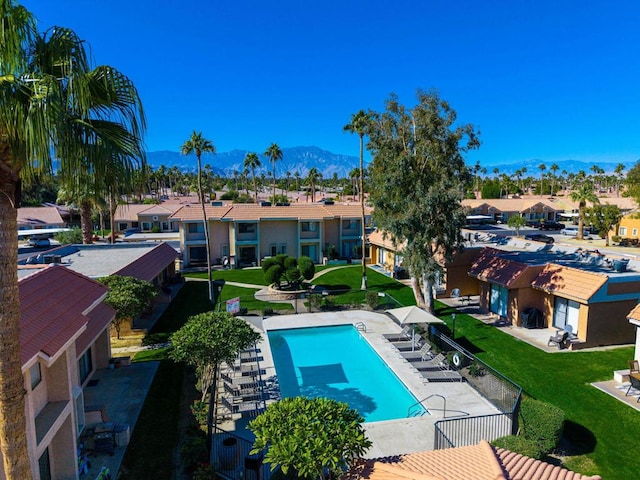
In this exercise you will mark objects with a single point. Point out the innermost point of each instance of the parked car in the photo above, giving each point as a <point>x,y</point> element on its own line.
<point>533,223</point>
<point>573,231</point>
<point>551,225</point>
<point>39,242</point>
<point>539,237</point>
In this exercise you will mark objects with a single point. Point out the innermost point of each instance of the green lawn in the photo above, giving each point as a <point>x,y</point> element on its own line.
<point>247,299</point>
<point>253,276</point>
<point>600,427</point>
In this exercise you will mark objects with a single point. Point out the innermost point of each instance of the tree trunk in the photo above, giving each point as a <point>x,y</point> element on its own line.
<point>427,292</point>
<point>206,230</point>
<point>211,415</point>
<point>13,433</point>
<point>85,222</point>
<point>417,292</point>
<point>364,233</point>
<point>579,236</point>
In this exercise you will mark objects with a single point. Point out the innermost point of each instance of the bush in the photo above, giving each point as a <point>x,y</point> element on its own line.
<point>199,410</point>
<point>274,274</point>
<point>521,445</point>
<point>73,236</point>
<point>307,268</point>
<point>315,300</point>
<point>615,238</point>
<point>205,472</point>
<point>155,229</point>
<point>230,195</point>
<point>477,370</point>
<point>332,252</point>
<point>541,423</point>
<point>267,263</point>
<point>290,262</point>
<point>155,338</point>
<point>267,311</point>
<point>372,300</point>
<point>193,451</point>
<point>243,198</point>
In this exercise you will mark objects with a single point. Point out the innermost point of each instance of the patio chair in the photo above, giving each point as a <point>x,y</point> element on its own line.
<point>421,355</point>
<point>634,377</point>
<point>415,343</point>
<point>405,334</point>
<point>436,363</point>
<point>559,339</point>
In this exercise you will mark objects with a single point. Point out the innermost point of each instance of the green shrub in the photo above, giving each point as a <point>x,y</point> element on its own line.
<point>267,311</point>
<point>267,263</point>
<point>290,262</point>
<point>205,472</point>
<point>193,451</point>
<point>73,236</point>
<point>307,268</point>
<point>274,274</point>
<point>155,338</point>
<point>230,195</point>
<point>477,370</point>
<point>199,410</point>
<point>315,300</point>
<point>372,300</point>
<point>332,252</point>
<point>615,238</point>
<point>541,423</point>
<point>519,444</point>
<point>155,229</point>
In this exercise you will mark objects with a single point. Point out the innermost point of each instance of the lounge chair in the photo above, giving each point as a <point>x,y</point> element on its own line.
<point>251,355</point>
<point>442,376</point>
<point>421,355</point>
<point>405,334</point>
<point>559,339</point>
<point>436,363</point>
<point>413,344</point>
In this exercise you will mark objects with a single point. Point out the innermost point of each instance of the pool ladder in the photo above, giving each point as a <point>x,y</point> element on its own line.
<point>419,412</point>
<point>360,326</point>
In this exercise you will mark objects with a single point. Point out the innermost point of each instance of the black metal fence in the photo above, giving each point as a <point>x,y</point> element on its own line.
<point>231,458</point>
<point>501,392</point>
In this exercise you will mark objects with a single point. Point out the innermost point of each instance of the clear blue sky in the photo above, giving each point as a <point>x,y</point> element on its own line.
<point>551,80</point>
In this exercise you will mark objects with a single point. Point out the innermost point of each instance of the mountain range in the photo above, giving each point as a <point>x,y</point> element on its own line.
<point>301,159</point>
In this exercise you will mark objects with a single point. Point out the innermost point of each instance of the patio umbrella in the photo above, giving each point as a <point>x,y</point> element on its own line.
<point>412,315</point>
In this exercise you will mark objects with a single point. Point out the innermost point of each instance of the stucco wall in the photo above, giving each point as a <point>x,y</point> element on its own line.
<point>607,324</point>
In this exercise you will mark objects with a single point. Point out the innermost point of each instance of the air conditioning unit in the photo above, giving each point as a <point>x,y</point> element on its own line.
<point>52,258</point>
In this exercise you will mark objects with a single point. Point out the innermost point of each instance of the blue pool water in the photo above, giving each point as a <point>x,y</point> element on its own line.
<point>336,362</point>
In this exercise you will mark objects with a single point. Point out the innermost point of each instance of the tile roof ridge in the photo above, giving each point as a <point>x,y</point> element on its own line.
<point>494,460</point>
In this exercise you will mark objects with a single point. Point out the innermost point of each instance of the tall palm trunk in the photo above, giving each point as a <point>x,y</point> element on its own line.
<point>363,286</point>
<point>13,435</point>
<point>206,229</point>
<point>85,222</point>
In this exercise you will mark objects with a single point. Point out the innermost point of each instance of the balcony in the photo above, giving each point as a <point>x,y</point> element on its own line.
<point>48,417</point>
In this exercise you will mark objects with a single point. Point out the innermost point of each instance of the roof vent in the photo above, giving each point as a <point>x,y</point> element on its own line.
<point>282,204</point>
<point>217,203</point>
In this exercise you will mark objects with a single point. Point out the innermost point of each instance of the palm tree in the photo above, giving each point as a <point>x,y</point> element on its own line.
<point>252,161</point>
<point>542,168</point>
<point>198,144</point>
<point>48,108</point>
<point>313,177</point>
<point>297,175</point>
<point>273,153</point>
<point>582,195</point>
<point>619,171</point>
<point>359,124</point>
<point>554,168</point>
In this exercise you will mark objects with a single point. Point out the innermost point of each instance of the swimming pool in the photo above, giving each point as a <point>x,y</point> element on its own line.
<point>337,362</point>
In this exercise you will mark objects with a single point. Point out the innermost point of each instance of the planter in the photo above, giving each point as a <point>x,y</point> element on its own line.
<point>229,454</point>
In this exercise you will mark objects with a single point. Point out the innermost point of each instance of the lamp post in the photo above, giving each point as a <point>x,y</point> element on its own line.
<point>453,326</point>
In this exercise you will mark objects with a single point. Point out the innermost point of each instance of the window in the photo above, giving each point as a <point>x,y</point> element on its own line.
<point>622,231</point>
<point>309,226</point>
<point>196,227</point>
<point>224,250</point>
<point>197,254</point>
<point>44,465</point>
<point>164,226</point>
<point>351,224</point>
<point>499,298</point>
<point>123,226</point>
<point>146,226</point>
<point>634,232</point>
<point>78,400</point>
<point>85,365</point>
<point>566,313</point>
<point>283,248</point>
<point>274,249</point>
<point>35,373</point>
<point>309,251</point>
<point>247,228</point>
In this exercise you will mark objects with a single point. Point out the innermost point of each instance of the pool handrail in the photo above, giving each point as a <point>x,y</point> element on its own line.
<point>420,402</point>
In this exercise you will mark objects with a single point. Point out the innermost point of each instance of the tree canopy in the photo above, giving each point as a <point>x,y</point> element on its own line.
<point>603,218</point>
<point>315,437</point>
<point>419,178</point>
<point>129,297</point>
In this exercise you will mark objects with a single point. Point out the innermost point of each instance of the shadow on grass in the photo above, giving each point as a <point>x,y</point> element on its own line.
<point>577,439</point>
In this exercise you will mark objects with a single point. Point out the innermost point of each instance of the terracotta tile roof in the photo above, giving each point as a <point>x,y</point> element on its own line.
<point>568,282</point>
<point>376,238</point>
<point>129,211</point>
<point>39,216</point>
<point>475,462</point>
<point>52,306</point>
<point>158,210</point>
<point>151,264</point>
<point>490,266</point>
<point>194,212</point>
<point>521,205</point>
<point>635,313</point>
<point>99,318</point>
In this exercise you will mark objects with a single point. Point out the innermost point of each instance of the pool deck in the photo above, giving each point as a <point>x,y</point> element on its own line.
<point>391,437</point>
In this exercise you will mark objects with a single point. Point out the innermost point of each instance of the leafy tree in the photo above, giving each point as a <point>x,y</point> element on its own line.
<point>360,122</point>
<point>274,153</point>
<point>314,437</point>
<point>419,178</point>
<point>198,144</point>
<point>251,162</point>
<point>307,268</point>
<point>46,111</point>
<point>583,194</point>
<point>491,189</point>
<point>130,297</point>
<point>274,274</point>
<point>603,218</point>
<point>516,222</point>
<point>313,177</point>
<point>73,236</point>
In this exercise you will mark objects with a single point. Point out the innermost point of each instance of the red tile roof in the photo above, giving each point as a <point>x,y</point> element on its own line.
<point>570,283</point>
<point>53,304</point>
<point>99,319</point>
<point>490,267</point>
<point>151,264</point>
<point>475,462</point>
